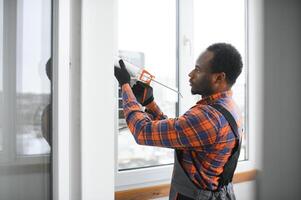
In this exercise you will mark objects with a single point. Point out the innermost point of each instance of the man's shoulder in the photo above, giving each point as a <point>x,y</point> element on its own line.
<point>205,111</point>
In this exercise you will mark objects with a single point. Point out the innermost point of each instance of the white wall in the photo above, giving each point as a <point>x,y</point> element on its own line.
<point>98,46</point>
<point>281,177</point>
<point>245,190</point>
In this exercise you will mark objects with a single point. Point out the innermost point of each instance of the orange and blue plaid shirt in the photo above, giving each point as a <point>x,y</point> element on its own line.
<point>202,133</point>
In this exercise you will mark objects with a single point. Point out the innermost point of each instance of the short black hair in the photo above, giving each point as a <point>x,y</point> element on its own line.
<point>226,59</point>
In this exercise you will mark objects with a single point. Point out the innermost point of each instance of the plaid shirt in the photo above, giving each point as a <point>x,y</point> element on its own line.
<point>202,133</point>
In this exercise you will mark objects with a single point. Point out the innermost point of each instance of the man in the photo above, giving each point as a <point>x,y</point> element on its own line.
<point>206,138</point>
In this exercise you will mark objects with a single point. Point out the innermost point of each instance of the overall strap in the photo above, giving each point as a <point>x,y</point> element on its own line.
<point>230,166</point>
<point>228,117</point>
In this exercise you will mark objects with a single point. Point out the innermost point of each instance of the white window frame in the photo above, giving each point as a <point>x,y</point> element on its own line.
<point>84,37</point>
<point>61,86</point>
<point>61,100</point>
<point>160,175</point>
<point>9,154</point>
<point>98,98</point>
<point>9,59</point>
<point>26,159</point>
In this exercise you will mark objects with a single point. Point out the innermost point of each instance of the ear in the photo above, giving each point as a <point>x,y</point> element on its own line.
<point>219,77</point>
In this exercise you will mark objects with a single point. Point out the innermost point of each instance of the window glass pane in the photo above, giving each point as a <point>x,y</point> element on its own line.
<point>223,21</point>
<point>147,37</point>
<point>33,82</point>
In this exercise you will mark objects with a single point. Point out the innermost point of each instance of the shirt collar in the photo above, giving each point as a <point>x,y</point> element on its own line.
<point>212,98</point>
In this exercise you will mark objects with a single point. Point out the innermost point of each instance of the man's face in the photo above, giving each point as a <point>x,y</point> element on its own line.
<point>201,77</point>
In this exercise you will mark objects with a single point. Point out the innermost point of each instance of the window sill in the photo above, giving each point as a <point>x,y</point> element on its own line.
<point>163,190</point>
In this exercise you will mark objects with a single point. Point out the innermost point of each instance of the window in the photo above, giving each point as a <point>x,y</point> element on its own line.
<point>167,43</point>
<point>33,78</point>
<point>25,97</point>
<point>148,40</point>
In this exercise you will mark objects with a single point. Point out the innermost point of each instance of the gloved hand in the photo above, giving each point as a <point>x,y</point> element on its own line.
<point>143,93</point>
<point>121,74</point>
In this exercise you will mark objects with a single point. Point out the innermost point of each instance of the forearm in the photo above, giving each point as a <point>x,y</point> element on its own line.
<point>154,110</point>
<point>171,133</point>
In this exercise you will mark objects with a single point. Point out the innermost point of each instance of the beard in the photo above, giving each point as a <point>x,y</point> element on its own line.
<point>202,91</point>
<point>193,91</point>
<point>202,88</point>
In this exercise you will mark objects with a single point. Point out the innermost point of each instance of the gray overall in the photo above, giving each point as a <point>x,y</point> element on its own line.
<point>182,188</point>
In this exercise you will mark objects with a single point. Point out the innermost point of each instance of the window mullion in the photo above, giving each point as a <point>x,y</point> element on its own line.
<point>185,45</point>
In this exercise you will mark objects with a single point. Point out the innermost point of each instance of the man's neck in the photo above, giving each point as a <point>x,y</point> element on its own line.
<point>215,92</point>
